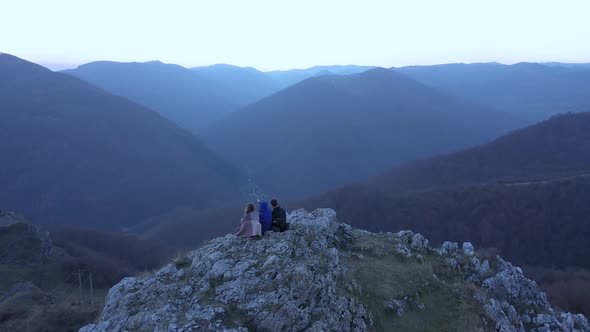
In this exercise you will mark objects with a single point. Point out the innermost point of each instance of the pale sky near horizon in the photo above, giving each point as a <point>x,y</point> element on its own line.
<point>275,34</point>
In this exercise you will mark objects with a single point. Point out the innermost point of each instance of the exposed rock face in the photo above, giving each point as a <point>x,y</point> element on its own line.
<point>23,243</point>
<point>308,279</point>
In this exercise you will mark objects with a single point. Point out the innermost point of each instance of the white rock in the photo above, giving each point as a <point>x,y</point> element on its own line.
<point>468,249</point>
<point>449,248</point>
<point>419,243</point>
<point>272,260</point>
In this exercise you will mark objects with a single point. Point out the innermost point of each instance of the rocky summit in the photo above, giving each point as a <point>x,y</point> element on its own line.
<point>322,275</point>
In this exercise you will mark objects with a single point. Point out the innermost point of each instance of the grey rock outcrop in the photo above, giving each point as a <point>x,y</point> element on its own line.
<point>305,280</point>
<point>284,281</point>
<point>518,305</point>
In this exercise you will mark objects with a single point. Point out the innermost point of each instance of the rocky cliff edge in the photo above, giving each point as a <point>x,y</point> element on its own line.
<point>322,275</point>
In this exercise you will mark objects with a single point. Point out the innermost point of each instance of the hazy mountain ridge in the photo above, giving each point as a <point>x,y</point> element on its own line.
<point>533,91</point>
<point>244,84</point>
<point>197,97</point>
<point>566,64</point>
<point>364,123</point>
<point>191,100</point>
<point>285,78</point>
<point>79,155</point>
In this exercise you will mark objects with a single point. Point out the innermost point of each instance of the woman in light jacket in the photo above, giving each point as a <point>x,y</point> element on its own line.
<point>249,225</point>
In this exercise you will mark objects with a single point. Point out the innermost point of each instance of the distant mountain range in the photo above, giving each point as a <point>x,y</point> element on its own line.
<point>198,97</point>
<point>264,84</point>
<point>330,130</point>
<point>74,154</point>
<point>244,85</point>
<point>523,193</point>
<point>532,91</point>
<point>566,65</point>
<point>285,78</point>
<point>191,100</point>
<point>194,98</point>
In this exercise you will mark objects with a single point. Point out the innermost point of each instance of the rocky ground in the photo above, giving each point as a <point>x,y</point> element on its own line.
<point>322,275</point>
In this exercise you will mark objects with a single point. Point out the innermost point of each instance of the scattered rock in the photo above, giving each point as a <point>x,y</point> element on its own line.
<point>449,248</point>
<point>419,243</point>
<point>468,249</point>
<point>402,250</point>
<point>397,306</point>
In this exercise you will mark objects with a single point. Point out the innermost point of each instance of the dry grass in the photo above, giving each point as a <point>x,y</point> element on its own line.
<point>449,305</point>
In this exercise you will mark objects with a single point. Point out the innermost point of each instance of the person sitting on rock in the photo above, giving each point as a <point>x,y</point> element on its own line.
<point>265,216</point>
<point>249,225</point>
<point>279,217</point>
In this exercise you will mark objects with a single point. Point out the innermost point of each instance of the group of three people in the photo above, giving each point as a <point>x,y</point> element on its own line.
<point>256,223</point>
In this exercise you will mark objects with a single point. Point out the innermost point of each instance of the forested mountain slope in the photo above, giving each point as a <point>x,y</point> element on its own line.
<point>74,154</point>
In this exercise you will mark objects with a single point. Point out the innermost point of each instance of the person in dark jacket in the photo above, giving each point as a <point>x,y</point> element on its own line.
<point>265,216</point>
<point>279,217</point>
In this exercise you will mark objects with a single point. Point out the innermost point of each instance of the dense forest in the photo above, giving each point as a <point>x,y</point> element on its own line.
<point>555,147</point>
<point>537,223</point>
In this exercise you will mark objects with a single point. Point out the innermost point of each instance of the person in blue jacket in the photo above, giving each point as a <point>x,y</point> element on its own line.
<point>265,216</point>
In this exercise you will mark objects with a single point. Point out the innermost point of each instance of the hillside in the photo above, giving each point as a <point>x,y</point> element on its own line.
<point>523,193</point>
<point>325,276</point>
<point>556,147</point>
<point>531,223</point>
<point>193,99</point>
<point>79,155</point>
<point>531,90</point>
<point>44,256</point>
<point>330,130</point>
<point>528,185</point>
<point>40,273</point>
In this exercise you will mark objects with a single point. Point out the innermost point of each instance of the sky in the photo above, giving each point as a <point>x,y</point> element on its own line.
<point>275,34</point>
